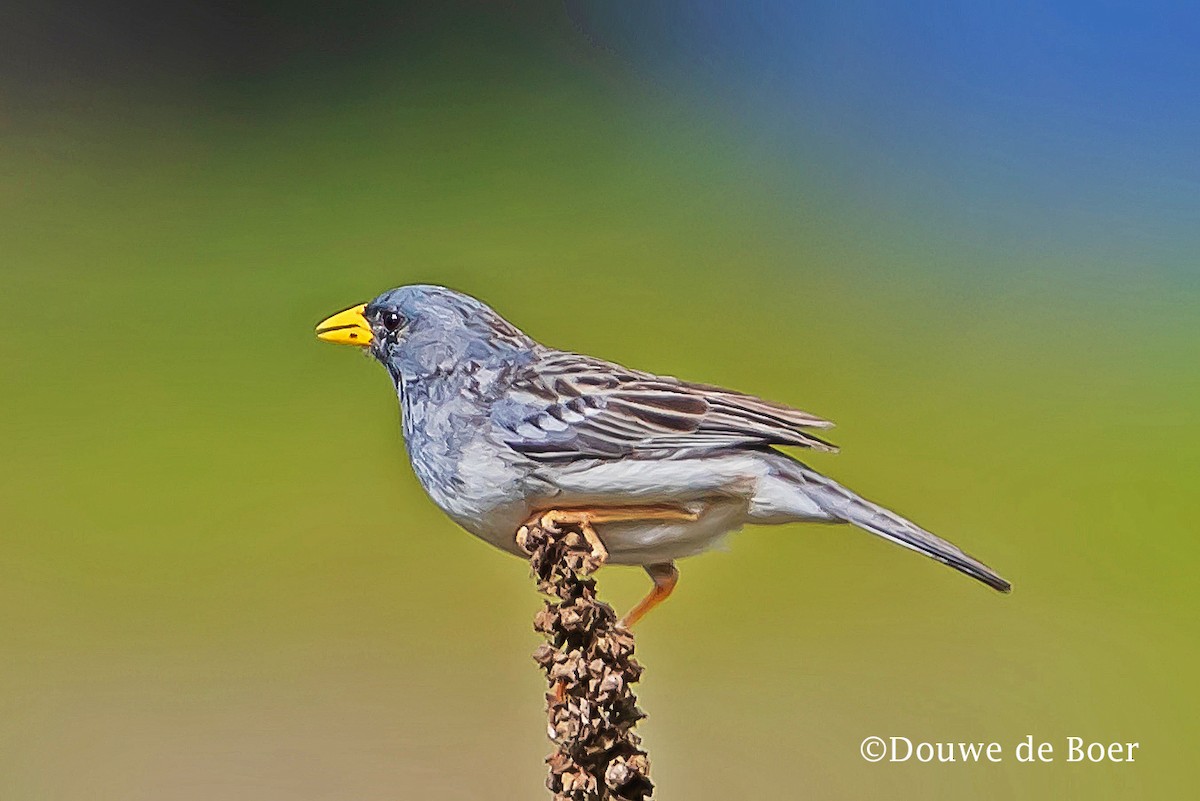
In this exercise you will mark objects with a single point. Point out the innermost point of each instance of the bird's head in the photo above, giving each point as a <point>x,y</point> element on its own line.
<point>421,329</point>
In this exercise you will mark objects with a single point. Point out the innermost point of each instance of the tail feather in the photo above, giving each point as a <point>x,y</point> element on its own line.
<point>845,505</point>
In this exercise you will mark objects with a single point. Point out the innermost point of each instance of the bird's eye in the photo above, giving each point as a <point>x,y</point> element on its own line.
<point>391,320</point>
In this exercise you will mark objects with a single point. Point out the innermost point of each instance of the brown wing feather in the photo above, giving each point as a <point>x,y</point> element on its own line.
<point>602,409</point>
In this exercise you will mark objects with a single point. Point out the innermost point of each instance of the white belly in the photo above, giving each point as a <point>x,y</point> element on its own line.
<point>652,542</point>
<point>644,542</point>
<point>725,493</point>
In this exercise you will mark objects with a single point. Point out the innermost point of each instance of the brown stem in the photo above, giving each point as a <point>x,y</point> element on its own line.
<point>589,665</point>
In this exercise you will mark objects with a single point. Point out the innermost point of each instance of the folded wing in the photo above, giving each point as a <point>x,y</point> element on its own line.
<point>566,405</point>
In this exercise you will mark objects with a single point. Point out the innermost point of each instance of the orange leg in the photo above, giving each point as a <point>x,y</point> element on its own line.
<point>665,576</point>
<point>587,518</point>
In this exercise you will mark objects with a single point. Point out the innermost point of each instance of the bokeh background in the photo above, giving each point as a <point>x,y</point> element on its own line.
<point>968,235</point>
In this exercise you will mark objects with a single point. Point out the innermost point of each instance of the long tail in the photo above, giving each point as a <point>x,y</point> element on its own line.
<point>845,505</point>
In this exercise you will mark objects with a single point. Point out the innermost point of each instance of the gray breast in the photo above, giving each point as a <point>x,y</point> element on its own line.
<point>473,478</point>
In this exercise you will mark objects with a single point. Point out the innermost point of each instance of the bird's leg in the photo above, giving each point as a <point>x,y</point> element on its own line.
<point>586,518</point>
<point>553,519</point>
<point>665,576</point>
<point>617,514</point>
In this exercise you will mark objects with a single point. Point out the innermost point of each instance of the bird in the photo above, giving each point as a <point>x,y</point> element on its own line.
<point>504,432</point>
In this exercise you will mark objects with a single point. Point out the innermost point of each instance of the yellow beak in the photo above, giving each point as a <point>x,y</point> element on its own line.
<point>347,327</point>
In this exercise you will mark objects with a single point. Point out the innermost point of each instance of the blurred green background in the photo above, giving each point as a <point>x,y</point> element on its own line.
<point>218,577</point>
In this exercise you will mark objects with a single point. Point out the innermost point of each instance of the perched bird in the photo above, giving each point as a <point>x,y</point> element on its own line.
<point>503,431</point>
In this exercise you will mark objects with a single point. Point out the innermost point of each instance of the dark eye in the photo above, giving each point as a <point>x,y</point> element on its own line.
<point>391,320</point>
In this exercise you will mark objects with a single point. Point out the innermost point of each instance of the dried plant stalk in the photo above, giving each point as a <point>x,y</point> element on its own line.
<point>589,665</point>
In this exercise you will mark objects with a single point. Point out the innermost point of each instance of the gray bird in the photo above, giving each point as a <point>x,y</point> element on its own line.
<point>503,431</point>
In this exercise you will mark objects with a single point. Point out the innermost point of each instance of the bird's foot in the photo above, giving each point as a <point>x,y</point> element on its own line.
<point>665,577</point>
<point>586,519</point>
<point>555,519</point>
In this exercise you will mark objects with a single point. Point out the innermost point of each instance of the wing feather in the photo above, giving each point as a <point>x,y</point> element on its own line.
<point>566,405</point>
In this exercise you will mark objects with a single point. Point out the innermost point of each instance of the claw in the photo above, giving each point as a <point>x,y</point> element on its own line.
<point>553,519</point>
